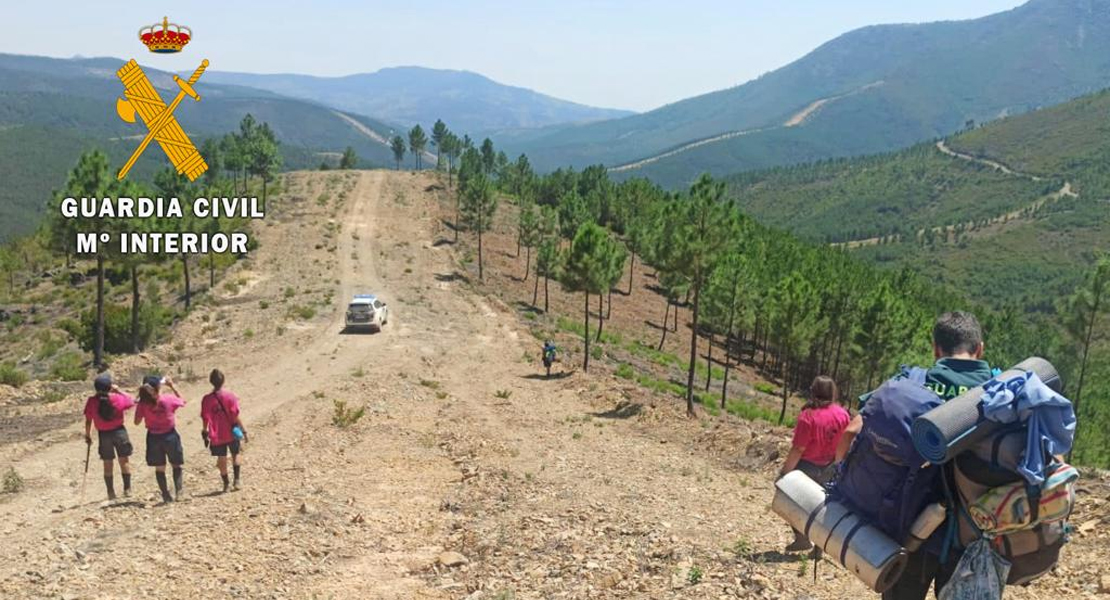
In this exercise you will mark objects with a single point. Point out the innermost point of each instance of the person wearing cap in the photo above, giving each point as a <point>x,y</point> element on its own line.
<point>162,439</point>
<point>222,429</point>
<point>105,409</point>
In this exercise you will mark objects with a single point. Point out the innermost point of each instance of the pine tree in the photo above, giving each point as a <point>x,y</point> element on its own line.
<point>439,134</point>
<point>349,159</point>
<point>1085,309</point>
<point>91,177</point>
<point>795,323</point>
<point>701,229</point>
<point>586,270</point>
<point>397,144</point>
<point>528,230</point>
<point>478,208</point>
<point>548,258</point>
<point>417,142</point>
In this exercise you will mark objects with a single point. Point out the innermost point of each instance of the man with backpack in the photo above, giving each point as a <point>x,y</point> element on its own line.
<point>883,478</point>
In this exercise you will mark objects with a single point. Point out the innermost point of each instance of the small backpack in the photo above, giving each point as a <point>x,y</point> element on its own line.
<point>883,479</point>
<point>1033,545</point>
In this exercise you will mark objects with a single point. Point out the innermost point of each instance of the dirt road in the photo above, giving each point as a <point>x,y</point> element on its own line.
<point>469,476</point>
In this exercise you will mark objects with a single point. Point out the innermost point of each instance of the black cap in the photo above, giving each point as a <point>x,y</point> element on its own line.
<point>103,382</point>
<point>152,380</point>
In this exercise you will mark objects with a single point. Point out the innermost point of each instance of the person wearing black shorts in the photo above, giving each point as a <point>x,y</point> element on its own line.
<point>106,409</point>
<point>222,429</point>
<point>162,440</point>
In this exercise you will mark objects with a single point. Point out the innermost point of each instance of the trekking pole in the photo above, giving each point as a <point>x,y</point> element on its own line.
<point>85,477</point>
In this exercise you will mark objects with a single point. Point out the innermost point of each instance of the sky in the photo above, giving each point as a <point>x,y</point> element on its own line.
<point>630,54</point>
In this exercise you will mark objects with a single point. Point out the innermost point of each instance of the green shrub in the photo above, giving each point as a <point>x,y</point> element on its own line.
<point>50,345</point>
<point>302,312</point>
<point>68,367</point>
<point>10,375</point>
<point>72,327</point>
<point>766,388</point>
<point>625,371</point>
<point>13,482</point>
<point>263,304</point>
<point>344,416</point>
<point>503,394</point>
<point>117,326</point>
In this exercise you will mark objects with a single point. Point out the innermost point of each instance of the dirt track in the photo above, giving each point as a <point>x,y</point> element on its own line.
<point>575,487</point>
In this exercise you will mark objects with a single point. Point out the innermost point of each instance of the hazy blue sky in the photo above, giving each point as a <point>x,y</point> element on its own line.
<point>625,54</point>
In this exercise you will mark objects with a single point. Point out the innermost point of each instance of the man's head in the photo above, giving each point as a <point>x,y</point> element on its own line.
<point>957,335</point>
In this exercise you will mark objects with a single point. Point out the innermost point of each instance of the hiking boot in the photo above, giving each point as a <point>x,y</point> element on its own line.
<point>226,485</point>
<point>127,492</point>
<point>235,485</point>
<point>799,545</point>
<point>111,495</point>
<point>166,498</point>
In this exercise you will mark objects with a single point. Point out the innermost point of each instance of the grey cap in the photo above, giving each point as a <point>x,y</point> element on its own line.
<point>103,382</point>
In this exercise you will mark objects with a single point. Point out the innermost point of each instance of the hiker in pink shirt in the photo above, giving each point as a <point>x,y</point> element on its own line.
<point>162,439</point>
<point>222,429</point>
<point>105,409</point>
<point>813,450</point>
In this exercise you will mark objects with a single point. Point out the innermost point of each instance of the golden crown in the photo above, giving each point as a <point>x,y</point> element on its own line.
<point>167,40</point>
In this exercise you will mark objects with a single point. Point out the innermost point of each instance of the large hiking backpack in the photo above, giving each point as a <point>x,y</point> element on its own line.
<point>992,463</point>
<point>883,479</point>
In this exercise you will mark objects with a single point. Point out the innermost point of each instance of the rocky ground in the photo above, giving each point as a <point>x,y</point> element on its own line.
<point>469,475</point>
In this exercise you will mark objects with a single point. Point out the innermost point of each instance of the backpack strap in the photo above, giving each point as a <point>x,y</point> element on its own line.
<point>914,374</point>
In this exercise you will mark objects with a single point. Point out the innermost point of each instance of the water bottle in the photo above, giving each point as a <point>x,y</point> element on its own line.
<point>924,526</point>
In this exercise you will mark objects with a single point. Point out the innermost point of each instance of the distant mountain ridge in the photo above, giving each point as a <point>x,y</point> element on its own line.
<point>466,101</point>
<point>934,78</point>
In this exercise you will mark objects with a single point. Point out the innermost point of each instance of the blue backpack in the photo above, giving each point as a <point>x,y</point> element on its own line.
<point>883,479</point>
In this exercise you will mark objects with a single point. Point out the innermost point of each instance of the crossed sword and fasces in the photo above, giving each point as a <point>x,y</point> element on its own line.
<point>140,96</point>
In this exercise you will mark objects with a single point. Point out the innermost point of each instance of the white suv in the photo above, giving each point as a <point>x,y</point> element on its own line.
<point>365,310</point>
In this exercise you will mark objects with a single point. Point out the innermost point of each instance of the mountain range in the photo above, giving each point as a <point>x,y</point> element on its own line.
<point>871,90</point>
<point>406,96</point>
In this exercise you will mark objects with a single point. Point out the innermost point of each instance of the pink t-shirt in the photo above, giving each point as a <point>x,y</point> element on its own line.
<point>160,418</point>
<point>818,431</point>
<point>218,410</point>
<point>121,402</point>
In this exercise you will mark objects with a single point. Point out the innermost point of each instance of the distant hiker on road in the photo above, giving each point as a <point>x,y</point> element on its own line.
<point>162,439</point>
<point>868,478</point>
<point>820,425</point>
<point>105,409</point>
<point>548,355</point>
<point>222,429</point>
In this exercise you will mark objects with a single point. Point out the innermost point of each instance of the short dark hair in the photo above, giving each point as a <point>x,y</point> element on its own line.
<point>956,332</point>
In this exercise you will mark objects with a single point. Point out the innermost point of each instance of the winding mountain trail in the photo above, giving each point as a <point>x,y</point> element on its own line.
<point>1017,213</point>
<point>795,120</point>
<point>469,476</point>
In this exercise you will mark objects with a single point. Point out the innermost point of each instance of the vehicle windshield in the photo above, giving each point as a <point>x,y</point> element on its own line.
<point>359,308</point>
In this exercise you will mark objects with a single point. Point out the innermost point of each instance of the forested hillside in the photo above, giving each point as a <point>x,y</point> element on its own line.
<point>879,88</point>
<point>852,199</point>
<point>1022,236</point>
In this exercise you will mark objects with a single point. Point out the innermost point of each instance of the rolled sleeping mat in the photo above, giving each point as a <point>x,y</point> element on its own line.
<point>863,550</point>
<point>942,433</point>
